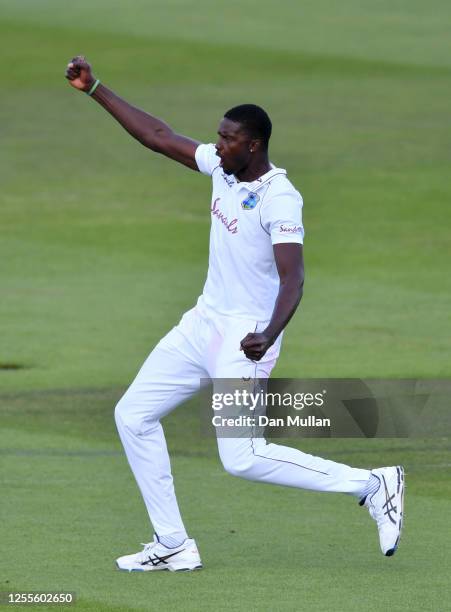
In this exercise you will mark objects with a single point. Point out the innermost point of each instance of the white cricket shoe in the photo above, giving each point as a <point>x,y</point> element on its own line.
<point>155,556</point>
<point>386,506</point>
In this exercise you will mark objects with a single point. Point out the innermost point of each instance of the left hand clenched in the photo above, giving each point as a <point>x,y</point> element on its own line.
<point>255,345</point>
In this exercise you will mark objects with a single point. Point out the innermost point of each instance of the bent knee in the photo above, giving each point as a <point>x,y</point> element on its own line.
<point>239,469</point>
<point>128,416</point>
<point>121,412</point>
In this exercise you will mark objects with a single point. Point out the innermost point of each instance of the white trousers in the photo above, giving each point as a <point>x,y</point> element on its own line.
<point>204,345</point>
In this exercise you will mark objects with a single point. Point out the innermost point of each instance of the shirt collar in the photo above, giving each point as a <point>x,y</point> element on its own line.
<point>260,181</point>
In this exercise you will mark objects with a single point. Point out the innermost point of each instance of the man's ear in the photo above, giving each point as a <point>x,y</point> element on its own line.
<point>255,145</point>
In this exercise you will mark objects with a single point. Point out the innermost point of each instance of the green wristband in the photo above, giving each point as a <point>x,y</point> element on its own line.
<point>93,88</point>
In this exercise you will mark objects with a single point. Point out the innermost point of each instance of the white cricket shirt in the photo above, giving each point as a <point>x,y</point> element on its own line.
<point>246,220</point>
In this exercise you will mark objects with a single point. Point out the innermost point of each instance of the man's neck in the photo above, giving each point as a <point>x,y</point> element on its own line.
<point>254,170</point>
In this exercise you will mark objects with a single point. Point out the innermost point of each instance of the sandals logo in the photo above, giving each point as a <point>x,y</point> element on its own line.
<point>231,226</point>
<point>291,229</point>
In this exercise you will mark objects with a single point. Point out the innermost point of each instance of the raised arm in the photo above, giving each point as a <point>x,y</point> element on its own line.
<point>148,130</point>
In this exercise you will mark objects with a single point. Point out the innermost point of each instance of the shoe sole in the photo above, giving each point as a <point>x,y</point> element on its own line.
<point>399,491</point>
<point>162,569</point>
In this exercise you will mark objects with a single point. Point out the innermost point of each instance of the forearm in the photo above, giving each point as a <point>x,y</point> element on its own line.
<point>148,130</point>
<point>288,299</point>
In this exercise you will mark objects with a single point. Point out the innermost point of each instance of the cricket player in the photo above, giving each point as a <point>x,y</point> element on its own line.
<point>253,287</point>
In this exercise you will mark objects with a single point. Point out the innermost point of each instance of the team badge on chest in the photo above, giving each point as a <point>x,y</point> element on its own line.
<point>251,201</point>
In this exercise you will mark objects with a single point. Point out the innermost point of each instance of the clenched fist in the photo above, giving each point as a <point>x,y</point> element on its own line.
<point>255,345</point>
<point>78,73</point>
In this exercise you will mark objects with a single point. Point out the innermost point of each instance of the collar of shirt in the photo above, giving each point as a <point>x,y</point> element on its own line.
<point>254,186</point>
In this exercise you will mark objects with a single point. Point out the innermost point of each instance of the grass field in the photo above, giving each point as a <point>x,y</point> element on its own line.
<point>104,245</point>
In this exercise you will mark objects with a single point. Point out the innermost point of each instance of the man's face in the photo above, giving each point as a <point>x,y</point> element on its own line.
<point>233,146</point>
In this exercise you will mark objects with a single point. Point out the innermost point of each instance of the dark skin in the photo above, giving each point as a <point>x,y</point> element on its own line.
<point>241,155</point>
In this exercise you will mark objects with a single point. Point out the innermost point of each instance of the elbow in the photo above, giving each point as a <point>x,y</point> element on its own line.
<point>293,286</point>
<point>150,143</point>
<point>299,294</point>
<point>160,140</point>
<point>297,285</point>
<point>155,140</point>
<point>297,290</point>
<point>300,289</point>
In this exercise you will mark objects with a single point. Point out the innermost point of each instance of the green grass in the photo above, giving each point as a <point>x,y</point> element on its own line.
<point>73,506</point>
<point>104,245</point>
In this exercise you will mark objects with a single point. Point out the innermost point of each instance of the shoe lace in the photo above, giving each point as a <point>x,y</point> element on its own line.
<point>146,551</point>
<point>388,511</point>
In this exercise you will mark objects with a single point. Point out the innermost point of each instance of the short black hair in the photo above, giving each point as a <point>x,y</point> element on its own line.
<point>253,119</point>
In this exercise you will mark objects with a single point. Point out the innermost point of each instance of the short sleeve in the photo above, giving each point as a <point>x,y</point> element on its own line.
<point>206,158</point>
<point>282,218</point>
